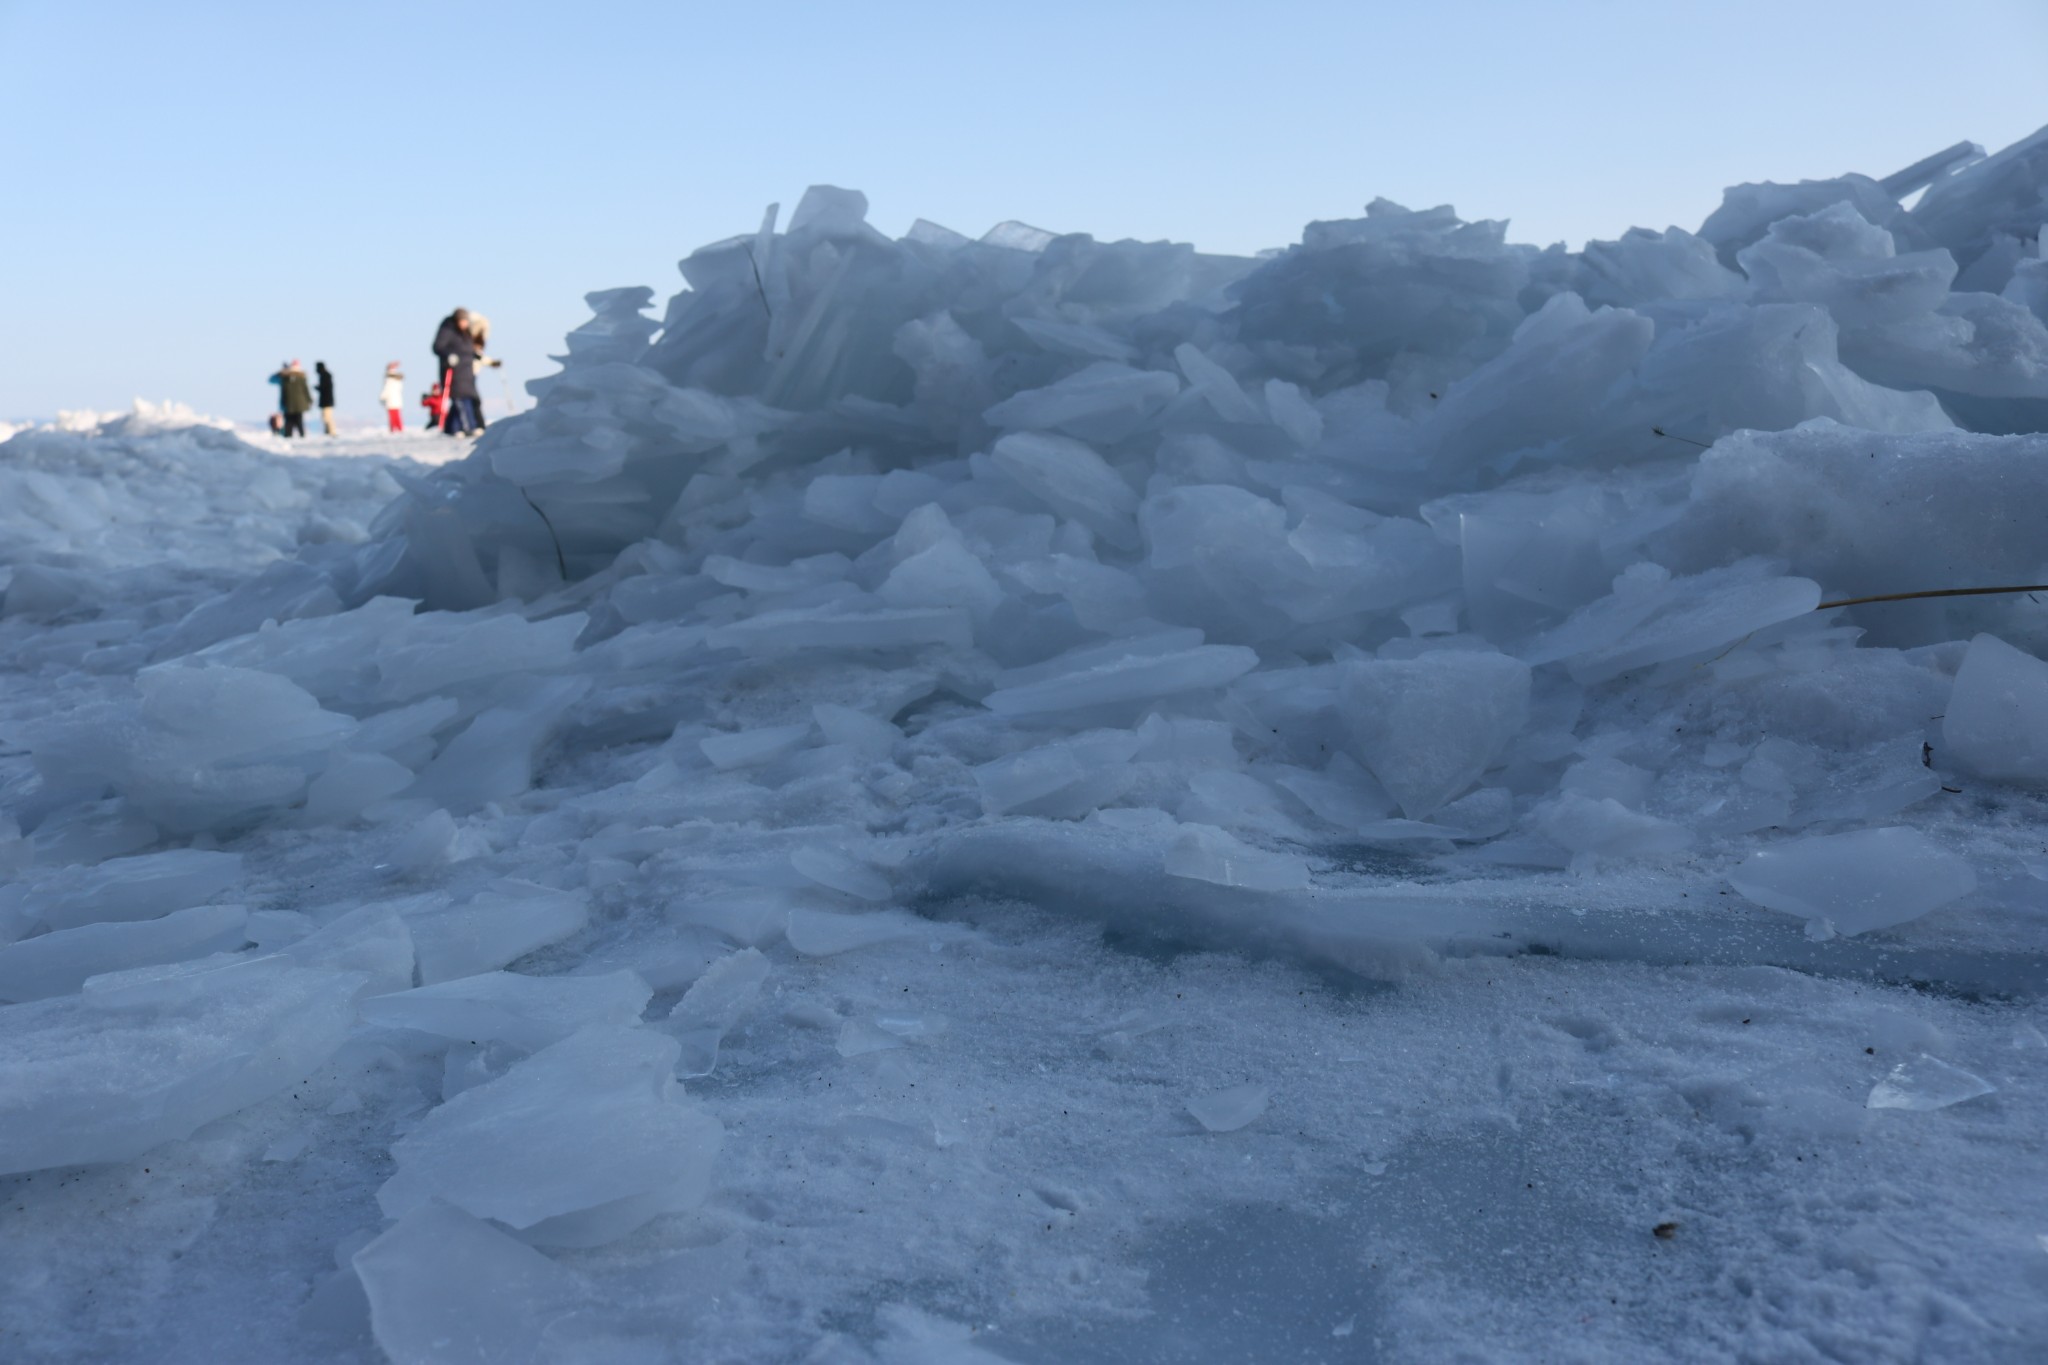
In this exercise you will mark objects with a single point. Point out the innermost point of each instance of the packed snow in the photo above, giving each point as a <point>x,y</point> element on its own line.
<point>1029,799</point>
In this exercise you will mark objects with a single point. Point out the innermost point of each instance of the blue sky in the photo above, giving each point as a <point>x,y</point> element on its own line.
<point>190,193</point>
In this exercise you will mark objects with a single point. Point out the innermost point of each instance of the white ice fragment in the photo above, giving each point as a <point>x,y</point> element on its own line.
<point>449,1289</point>
<point>1073,481</point>
<point>820,933</point>
<point>526,1012</point>
<point>1216,384</point>
<point>59,963</point>
<point>920,1028</point>
<point>1651,618</point>
<point>1602,827</point>
<point>1104,401</point>
<point>270,930</point>
<point>753,916</point>
<point>1923,1083</point>
<point>1207,854</point>
<point>1226,1111</point>
<point>772,578</point>
<point>945,574</point>
<point>1130,677</point>
<point>1428,727</point>
<point>1996,722</point>
<point>867,735</point>
<point>1865,879</point>
<point>137,888</point>
<point>147,1056</point>
<point>1063,780</point>
<point>1292,412</point>
<point>200,748</point>
<point>1075,339</point>
<point>1345,795</point>
<point>351,784</point>
<point>798,629</point>
<point>498,925</point>
<point>576,1145</point>
<point>424,843</point>
<point>750,748</point>
<point>858,1037</point>
<point>492,759</point>
<point>371,940</point>
<point>712,1005</point>
<point>841,872</point>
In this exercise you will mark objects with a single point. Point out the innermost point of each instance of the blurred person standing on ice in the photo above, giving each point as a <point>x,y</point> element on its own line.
<point>479,330</point>
<point>459,382</point>
<point>391,393</point>
<point>295,396</point>
<point>324,385</point>
<point>277,418</point>
<point>453,328</point>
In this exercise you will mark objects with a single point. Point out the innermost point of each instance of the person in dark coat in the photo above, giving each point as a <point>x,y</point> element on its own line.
<point>323,387</point>
<point>295,396</point>
<point>454,328</point>
<point>461,384</point>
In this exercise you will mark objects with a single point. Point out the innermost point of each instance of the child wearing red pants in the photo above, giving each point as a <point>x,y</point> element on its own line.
<point>392,395</point>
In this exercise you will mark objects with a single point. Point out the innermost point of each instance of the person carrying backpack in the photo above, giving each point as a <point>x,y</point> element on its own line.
<point>295,397</point>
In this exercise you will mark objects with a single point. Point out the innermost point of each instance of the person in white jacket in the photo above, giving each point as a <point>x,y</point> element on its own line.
<point>392,395</point>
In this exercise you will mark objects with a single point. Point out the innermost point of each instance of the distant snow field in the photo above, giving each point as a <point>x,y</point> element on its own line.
<point>1031,800</point>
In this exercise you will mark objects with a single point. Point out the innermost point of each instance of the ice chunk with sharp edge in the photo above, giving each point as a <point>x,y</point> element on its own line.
<point>449,1289</point>
<point>1104,401</point>
<point>1205,853</point>
<point>576,1145</point>
<point>136,888</point>
<point>750,748</point>
<point>59,963</point>
<point>712,1005</point>
<point>841,871</point>
<point>821,933</point>
<point>147,1056</point>
<point>1227,1110</point>
<point>789,631</point>
<point>371,940</point>
<point>1996,721</point>
<point>1072,480</point>
<point>1923,1083</point>
<point>1651,618</point>
<point>1216,384</point>
<point>1062,780</point>
<point>1428,727</point>
<point>1106,678</point>
<point>1865,879</point>
<point>527,1012</point>
<point>497,926</point>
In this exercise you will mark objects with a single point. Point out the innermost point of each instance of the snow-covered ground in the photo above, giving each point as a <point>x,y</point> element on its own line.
<point>1042,801</point>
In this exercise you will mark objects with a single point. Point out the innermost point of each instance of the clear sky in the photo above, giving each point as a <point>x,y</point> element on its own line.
<point>191,192</point>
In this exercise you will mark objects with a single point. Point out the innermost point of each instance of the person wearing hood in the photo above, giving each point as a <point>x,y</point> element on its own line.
<point>295,397</point>
<point>324,386</point>
<point>392,395</point>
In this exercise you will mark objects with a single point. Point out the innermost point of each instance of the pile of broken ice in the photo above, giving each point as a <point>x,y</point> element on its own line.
<point>931,564</point>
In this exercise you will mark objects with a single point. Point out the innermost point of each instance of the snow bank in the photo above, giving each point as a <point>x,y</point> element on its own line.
<point>1107,573</point>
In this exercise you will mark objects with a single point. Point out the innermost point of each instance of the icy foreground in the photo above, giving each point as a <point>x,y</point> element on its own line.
<point>1038,800</point>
